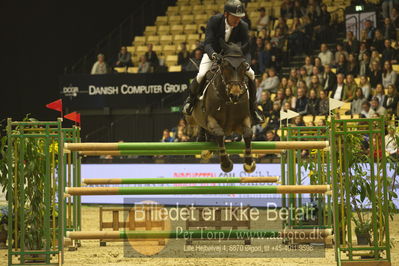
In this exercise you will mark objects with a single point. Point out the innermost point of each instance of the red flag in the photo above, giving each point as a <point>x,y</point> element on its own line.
<point>75,116</point>
<point>56,105</point>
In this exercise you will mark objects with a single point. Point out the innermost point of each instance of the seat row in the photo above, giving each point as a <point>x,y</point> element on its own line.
<point>168,39</point>
<point>175,29</point>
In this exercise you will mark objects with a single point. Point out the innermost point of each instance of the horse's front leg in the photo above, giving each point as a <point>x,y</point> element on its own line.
<point>215,129</point>
<point>249,162</point>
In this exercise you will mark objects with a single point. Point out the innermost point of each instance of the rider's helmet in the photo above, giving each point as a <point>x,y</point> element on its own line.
<point>235,8</point>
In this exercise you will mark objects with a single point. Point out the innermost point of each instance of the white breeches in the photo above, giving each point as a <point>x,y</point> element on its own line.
<point>206,64</point>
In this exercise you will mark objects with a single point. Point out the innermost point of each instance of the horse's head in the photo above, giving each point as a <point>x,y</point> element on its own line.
<point>233,71</point>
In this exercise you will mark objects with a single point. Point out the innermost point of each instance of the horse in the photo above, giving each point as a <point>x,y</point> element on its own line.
<point>223,108</point>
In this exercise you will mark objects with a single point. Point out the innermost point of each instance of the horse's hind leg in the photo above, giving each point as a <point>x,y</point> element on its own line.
<point>249,162</point>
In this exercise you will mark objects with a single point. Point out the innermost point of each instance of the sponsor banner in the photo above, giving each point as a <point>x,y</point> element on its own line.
<point>189,171</point>
<point>124,90</point>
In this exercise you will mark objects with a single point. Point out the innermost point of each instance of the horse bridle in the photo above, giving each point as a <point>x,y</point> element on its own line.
<point>242,84</point>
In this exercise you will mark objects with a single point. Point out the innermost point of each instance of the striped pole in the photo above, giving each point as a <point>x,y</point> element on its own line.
<point>199,234</point>
<point>180,180</point>
<point>168,152</point>
<point>197,190</point>
<point>144,146</point>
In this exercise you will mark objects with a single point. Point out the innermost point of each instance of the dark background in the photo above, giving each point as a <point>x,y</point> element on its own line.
<point>39,39</point>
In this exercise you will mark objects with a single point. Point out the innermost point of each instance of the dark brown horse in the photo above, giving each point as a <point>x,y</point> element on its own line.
<point>224,107</point>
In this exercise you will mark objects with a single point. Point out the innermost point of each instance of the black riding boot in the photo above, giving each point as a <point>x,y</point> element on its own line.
<point>191,100</point>
<point>256,114</point>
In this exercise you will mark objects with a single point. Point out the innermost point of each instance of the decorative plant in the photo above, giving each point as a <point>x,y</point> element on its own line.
<point>34,173</point>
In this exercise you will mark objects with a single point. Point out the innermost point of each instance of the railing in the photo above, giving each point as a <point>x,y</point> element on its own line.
<point>122,35</point>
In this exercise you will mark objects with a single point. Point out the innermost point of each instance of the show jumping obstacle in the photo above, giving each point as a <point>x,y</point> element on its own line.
<point>324,182</point>
<point>196,190</point>
<point>179,180</point>
<point>195,234</point>
<point>167,152</point>
<point>195,146</point>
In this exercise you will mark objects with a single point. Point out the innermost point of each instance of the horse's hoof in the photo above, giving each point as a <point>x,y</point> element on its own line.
<point>206,155</point>
<point>227,167</point>
<point>250,168</point>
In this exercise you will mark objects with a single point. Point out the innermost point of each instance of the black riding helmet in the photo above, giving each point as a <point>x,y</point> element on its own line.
<point>235,8</point>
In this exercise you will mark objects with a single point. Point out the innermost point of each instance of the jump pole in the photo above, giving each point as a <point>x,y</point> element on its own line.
<point>198,234</point>
<point>256,145</point>
<point>197,190</point>
<point>169,152</point>
<point>180,180</point>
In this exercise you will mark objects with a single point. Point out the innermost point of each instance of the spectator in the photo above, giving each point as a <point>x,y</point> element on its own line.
<point>274,121</point>
<point>286,9</point>
<point>356,104</point>
<point>303,76</point>
<point>308,65</point>
<point>181,137</point>
<point>324,23</point>
<point>389,29</point>
<point>283,84</point>
<point>293,75</point>
<point>265,57</point>
<point>391,100</point>
<point>323,104</point>
<point>342,65</point>
<point>376,108</point>
<point>271,83</point>
<point>330,79</point>
<point>278,39</point>
<point>166,136</point>
<point>271,136</point>
<point>364,66</point>
<point>289,97</point>
<point>99,67</point>
<point>181,126</point>
<point>263,20</point>
<point>366,110</point>
<point>315,84</point>
<point>339,89</point>
<point>318,64</point>
<point>298,121</point>
<point>375,57</point>
<point>389,75</point>
<point>340,50</point>
<point>287,106</point>
<point>379,93</point>
<point>298,11</point>
<point>362,50</point>
<point>279,97</point>
<point>351,45</point>
<point>266,103</point>
<point>369,29</point>
<point>352,66</point>
<point>291,84</point>
<point>318,73</point>
<point>326,55</point>
<point>296,38</point>
<point>301,102</point>
<point>365,86</point>
<point>183,56</point>
<point>350,88</point>
<point>193,64</point>
<point>375,74</point>
<point>395,17</point>
<point>302,85</point>
<point>124,58</point>
<point>281,27</point>
<point>257,49</point>
<point>389,54</point>
<point>378,42</point>
<point>313,103</point>
<point>387,7</point>
<point>391,144</point>
<point>152,58</point>
<point>144,66</point>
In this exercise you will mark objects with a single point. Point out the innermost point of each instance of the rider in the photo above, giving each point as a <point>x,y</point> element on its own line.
<point>230,28</point>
